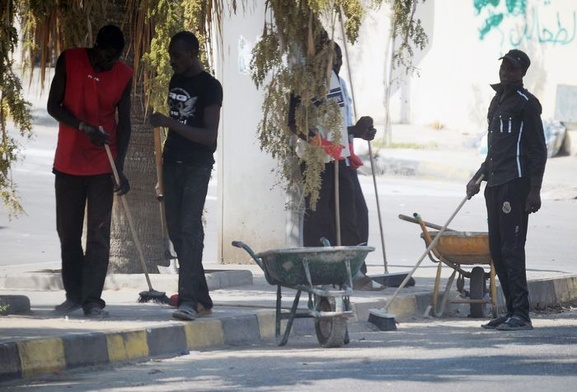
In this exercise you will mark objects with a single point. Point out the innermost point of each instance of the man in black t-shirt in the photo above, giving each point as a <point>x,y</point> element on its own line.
<point>194,99</point>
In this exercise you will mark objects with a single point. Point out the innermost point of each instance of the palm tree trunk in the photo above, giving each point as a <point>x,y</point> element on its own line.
<point>140,169</point>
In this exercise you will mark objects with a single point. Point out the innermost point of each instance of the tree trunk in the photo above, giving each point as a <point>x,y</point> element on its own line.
<point>140,169</point>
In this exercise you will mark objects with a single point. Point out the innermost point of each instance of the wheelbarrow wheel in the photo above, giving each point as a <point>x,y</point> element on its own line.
<point>331,331</point>
<point>477,291</point>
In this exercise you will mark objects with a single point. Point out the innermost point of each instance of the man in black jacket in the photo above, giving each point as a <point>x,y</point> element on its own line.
<point>513,169</point>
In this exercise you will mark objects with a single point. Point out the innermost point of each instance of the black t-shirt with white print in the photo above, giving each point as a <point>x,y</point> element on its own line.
<point>187,99</point>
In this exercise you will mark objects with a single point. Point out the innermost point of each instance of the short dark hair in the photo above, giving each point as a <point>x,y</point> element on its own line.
<point>110,37</point>
<point>188,38</point>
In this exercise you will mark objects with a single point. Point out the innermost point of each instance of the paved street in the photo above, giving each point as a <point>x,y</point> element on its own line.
<point>30,241</point>
<point>422,355</point>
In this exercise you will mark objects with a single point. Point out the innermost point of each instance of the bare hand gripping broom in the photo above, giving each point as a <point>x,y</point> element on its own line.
<point>151,294</point>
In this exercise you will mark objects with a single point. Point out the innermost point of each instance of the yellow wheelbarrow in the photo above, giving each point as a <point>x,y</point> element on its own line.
<point>460,250</point>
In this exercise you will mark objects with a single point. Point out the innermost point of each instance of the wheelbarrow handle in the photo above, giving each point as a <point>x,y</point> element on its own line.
<point>428,224</point>
<point>240,244</point>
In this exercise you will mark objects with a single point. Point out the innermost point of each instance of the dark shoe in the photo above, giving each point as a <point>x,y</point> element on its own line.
<point>201,311</point>
<point>185,312</point>
<point>362,282</point>
<point>515,323</point>
<point>67,306</point>
<point>495,322</point>
<point>96,312</point>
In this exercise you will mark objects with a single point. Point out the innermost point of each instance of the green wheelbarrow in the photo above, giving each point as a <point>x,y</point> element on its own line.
<point>326,274</point>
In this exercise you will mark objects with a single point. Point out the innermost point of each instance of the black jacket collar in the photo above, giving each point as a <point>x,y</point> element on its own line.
<point>501,88</point>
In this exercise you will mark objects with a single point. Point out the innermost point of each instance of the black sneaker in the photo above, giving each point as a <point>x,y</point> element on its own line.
<point>96,312</point>
<point>515,323</point>
<point>67,306</point>
<point>493,324</point>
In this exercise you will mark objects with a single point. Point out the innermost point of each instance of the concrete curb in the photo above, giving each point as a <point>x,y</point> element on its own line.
<point>14,304</point>
<point>542,294</point>
<point>552,291</point>
<point>53,355</point>
<point>216,279</point>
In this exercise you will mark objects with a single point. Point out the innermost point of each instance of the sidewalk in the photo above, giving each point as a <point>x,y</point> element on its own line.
<point>38,342</point>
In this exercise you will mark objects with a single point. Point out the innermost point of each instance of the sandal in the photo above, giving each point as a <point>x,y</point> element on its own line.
<point>184,312</point>
<point>201,311</point>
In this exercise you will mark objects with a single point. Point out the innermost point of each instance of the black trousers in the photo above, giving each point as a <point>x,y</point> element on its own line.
<point>185,188</point>
<point>508,221</point>
<point>322,222</point>
<point>84,271</point>
<point>361,213</point>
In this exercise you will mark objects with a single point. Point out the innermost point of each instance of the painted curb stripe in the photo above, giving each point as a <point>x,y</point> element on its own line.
<point>41,356</point>
<point>204,333</point>
<point>85,350</point>
<point>266,324</point>
<point>124,346</point>
<point>166,340</point>
<point>240,329</point>
<point>10,362</point>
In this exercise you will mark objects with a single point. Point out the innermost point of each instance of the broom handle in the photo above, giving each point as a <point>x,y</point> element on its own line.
<point>378,208</point>
<point>337,204</point>
<point>160,181</point>
<point>430,247</point>
<point>128,216</point>
<point>369,143</point>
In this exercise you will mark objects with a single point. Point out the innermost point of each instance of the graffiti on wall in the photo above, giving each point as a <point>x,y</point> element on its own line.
<point>519,22</point>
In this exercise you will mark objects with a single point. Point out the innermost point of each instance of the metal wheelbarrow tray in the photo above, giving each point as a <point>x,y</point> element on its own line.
<point>325,273</point>
<point>460,250</point>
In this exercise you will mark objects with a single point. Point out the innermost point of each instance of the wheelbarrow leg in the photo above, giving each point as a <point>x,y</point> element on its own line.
<point>289,316</point>
<point>438,311</point>
<point>278,313</point>
<point>493,290</point>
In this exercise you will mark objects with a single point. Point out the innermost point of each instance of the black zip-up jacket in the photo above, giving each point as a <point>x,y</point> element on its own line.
<point>516,141</point>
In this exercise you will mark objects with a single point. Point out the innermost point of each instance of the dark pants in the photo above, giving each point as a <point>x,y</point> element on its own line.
<point>185,188</point>
<point>362,213</point>
<point>321,222</point>
<point>84,272</point>
<point>507,234</point>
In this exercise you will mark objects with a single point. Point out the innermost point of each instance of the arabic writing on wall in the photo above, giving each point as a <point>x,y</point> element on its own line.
<point>545,22</point>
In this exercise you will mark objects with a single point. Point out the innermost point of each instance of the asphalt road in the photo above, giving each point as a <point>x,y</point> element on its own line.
<point>31,240</point>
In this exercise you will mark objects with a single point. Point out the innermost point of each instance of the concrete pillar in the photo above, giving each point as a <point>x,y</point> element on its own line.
<point>251,204</point>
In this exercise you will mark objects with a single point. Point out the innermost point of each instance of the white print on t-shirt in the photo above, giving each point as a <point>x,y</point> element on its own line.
<point>182,105</point>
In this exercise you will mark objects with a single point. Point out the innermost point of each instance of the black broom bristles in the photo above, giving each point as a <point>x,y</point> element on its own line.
<point>153,296</point>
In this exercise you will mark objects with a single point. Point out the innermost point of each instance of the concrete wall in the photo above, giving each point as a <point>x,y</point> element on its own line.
<point>251,207</point>
<point>455,70</point>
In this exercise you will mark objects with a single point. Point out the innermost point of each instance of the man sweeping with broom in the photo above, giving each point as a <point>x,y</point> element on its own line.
<point>90,89</point>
